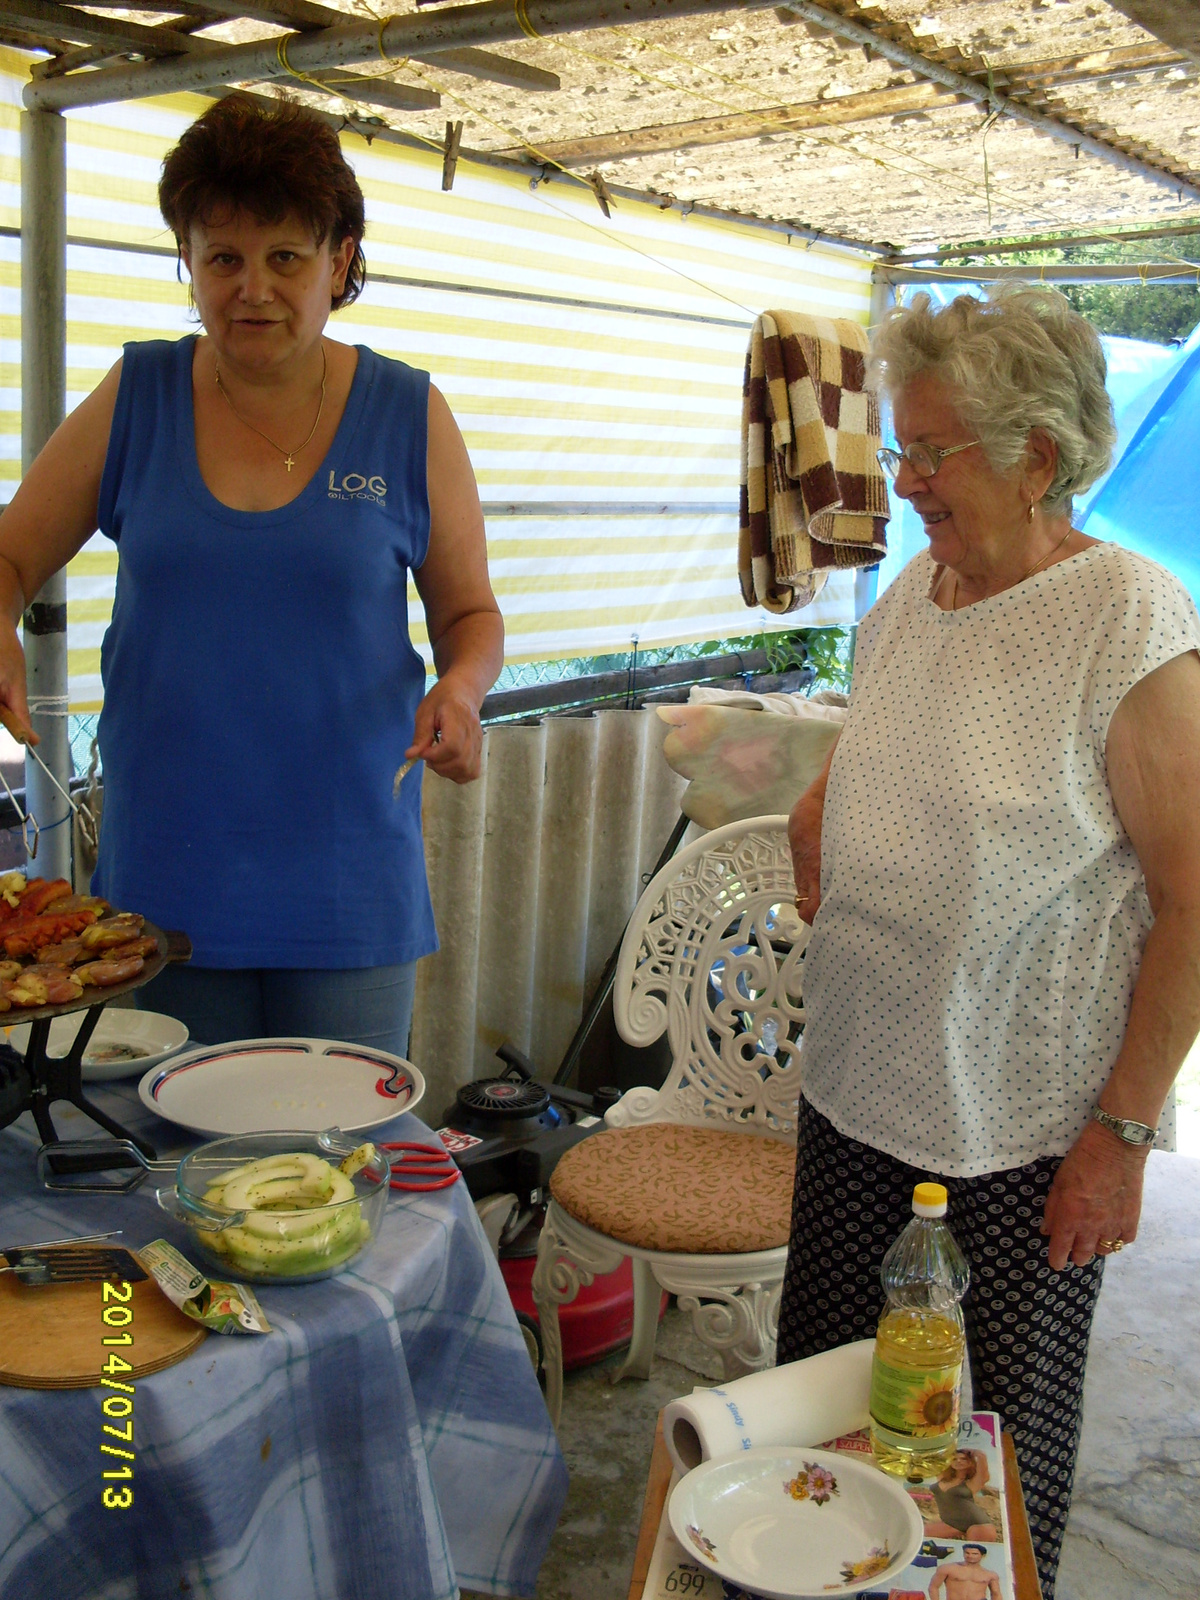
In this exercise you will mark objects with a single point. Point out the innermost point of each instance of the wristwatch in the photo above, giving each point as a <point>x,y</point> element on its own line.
<point>1136,1133</point>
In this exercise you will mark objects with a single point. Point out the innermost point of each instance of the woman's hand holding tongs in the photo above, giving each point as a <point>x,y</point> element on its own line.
<point>14,706</point>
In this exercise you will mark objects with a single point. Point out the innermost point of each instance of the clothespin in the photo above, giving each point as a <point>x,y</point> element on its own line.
<point>603,198</point>
<point>450,154</point>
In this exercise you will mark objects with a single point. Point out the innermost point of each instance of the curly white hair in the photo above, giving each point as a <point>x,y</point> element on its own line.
<point>1021,359</point>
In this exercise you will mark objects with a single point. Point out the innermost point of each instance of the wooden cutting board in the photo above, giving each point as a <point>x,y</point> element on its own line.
<point>50,1337</point>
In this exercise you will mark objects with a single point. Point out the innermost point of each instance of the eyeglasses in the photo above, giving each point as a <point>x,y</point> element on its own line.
<point>924,459</point>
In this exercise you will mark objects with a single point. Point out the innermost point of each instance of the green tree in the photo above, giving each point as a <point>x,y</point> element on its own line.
<point>1161,314</point>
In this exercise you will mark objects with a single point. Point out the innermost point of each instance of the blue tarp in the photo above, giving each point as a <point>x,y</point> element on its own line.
<point>1150,500</point>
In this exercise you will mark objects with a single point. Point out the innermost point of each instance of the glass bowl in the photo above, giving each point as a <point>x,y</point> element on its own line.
<point>289,1221</point>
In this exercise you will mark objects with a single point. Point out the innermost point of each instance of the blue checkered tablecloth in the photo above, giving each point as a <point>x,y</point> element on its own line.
<point>387,1441</point>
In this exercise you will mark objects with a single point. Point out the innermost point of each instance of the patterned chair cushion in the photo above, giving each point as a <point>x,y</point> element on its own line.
<point>694,1191</point>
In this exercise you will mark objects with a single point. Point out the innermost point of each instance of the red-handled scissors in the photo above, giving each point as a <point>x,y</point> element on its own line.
<point>430,1164</point>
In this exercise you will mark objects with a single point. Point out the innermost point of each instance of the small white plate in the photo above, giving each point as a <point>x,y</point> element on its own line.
<point>791,1524</point>
<point>125,1042</point>
<point>267,1085</point>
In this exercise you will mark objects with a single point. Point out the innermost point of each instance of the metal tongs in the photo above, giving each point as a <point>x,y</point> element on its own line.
<point>68,1164</point>
<point>26,736</point>
<point>76,1165</point>
<point>406,767</point>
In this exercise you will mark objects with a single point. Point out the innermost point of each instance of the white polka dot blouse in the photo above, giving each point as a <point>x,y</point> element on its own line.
<point>983,910</point>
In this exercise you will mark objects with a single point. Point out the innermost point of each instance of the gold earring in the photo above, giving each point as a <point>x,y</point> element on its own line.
<point>1031,505</point>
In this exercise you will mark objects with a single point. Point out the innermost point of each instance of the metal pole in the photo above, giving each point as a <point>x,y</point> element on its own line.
<point>1049,241</point>
<point>883,297</point>
<point>482,23</point>
<point>866,579</point>
<point>972,89</point>
<point>43,406</point>
<point>1148,272</point>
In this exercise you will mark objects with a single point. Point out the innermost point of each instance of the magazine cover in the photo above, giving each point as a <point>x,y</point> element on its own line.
<point>964,1556</point>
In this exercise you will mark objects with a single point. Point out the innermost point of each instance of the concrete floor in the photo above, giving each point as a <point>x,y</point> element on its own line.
<point>607,1435</point>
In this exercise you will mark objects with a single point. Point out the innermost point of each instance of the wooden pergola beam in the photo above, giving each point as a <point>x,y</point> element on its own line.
<point>908,99</point>
<point>748,124</point>
<point>307,16</point>
<point>83,27</point>
<point>1144,272</point>
<point>28,39</point>
<point>381,92</point>
<point>1103,142</point>
<point>1089,66</point>
<point>491,68</point>
<point>525,167</point>
<point>1175,22</point>
<point>482,23</point>
<point>90,55</point>
<point>105,37</point>
<point>300,14</point>
<point>1048,241</point>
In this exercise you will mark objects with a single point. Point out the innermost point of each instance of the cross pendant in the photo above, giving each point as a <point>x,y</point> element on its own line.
<point>288,462</point>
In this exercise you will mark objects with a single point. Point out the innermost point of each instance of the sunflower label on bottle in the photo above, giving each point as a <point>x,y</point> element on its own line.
<point>916,1375</point>
<point>921,1401</point>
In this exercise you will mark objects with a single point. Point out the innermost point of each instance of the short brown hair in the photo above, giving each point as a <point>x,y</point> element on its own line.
<point>272,159</point>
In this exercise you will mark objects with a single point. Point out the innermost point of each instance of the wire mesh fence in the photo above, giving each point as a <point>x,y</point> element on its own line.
<point>827,651</point>
<point>81,731</point>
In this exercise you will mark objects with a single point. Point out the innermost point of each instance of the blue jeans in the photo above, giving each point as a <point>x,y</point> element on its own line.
<point>359,1005</point>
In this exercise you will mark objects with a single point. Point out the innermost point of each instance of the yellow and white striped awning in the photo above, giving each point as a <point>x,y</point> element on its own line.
<point>594,366</point>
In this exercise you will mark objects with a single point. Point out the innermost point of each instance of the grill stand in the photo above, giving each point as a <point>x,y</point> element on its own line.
<point>61,1078</point>
<point>33,1082</point>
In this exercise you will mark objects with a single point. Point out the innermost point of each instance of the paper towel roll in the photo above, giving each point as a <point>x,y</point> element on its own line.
<point>802,1403</point>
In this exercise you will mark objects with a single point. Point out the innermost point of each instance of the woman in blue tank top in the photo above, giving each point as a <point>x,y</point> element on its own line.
<point>269,491</point>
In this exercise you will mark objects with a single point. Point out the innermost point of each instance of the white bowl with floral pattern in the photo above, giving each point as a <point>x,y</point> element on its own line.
<point>793,1524</point>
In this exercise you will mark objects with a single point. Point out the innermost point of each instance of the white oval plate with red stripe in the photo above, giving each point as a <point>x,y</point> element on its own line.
<point>264,1085</point>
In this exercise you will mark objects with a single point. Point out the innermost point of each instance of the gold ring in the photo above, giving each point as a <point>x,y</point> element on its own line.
<point>801,898</point>
<point>1110,1244</point>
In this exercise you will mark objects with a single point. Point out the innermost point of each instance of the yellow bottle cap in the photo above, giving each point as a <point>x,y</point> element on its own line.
<point>929,1200</point>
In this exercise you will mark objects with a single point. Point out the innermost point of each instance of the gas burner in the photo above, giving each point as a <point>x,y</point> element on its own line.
<point>503,1098</point>
<point>507,1133</point>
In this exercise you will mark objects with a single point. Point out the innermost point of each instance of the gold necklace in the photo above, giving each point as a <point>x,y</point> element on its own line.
<point>1024,575</point>
<point>289,456</point>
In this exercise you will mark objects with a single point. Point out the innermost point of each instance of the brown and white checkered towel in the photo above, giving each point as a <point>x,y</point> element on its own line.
<point>813,495</point>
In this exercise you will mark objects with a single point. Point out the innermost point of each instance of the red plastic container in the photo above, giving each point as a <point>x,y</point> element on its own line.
<point>598,1321</point>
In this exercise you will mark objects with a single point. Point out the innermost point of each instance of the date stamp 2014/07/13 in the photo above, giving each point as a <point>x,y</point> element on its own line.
<point>117,1316</point>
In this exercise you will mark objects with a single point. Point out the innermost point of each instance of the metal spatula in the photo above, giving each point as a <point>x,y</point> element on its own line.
<point>72,1261</point>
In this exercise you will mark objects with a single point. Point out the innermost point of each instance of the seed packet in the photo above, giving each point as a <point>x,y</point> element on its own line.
<point>223,1307</point>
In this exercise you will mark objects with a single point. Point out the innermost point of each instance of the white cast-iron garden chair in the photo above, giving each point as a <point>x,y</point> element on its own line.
<point>693,1181</point>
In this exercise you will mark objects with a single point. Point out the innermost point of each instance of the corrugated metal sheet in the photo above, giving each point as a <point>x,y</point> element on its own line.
<point>594,367</point>
<point>534,871</point>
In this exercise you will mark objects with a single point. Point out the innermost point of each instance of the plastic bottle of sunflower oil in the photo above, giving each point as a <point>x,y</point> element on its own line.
<point>916,1375</point>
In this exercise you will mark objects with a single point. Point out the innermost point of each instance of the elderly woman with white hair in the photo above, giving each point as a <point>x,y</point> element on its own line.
<point>1001,863</point>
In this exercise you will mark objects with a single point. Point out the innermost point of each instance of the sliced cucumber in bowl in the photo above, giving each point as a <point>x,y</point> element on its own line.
<point>283,1213</point>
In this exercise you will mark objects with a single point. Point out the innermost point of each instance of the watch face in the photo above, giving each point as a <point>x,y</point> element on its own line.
<point>1125,1128</point>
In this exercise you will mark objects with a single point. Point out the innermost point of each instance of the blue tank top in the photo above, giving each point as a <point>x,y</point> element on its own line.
<point>260,686</point>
